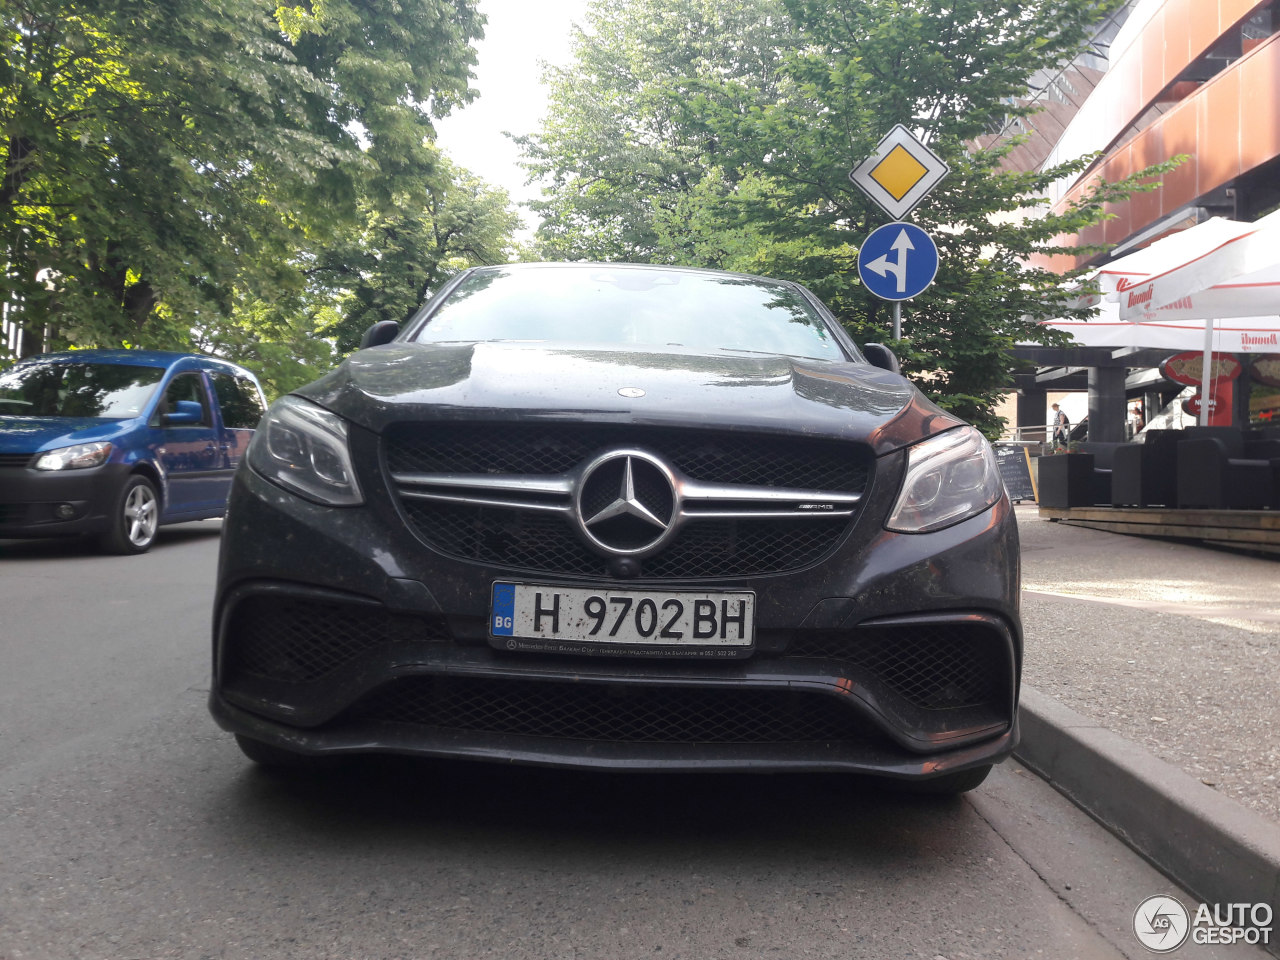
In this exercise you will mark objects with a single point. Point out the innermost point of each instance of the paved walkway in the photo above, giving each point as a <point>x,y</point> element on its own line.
<point>1175,647</point>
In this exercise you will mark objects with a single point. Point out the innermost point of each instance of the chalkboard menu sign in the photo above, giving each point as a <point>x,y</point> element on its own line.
<point>1015,470</point>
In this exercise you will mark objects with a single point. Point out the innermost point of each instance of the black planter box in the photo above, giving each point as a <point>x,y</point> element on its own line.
<point>1067,480</point>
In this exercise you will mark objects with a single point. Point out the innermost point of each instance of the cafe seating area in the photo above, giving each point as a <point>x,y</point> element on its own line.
<point>1205,483</point>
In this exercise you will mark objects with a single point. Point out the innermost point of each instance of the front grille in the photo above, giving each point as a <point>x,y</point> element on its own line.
<point>597,712</point>
<point>527,539</point>
<point>935,666</point>
<point>524,537</point>
<point>15,514</point>
<point>297,640</point>
<point>553,449</point>
<point>15,459</point>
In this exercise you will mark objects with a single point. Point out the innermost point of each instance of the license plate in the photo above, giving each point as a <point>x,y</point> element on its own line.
<point>534,616</point>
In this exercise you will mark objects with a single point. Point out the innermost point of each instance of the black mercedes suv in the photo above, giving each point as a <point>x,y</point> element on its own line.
<point>625,517</point>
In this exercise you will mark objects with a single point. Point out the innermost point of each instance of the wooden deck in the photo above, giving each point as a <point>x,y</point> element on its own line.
<point>1244,529</point>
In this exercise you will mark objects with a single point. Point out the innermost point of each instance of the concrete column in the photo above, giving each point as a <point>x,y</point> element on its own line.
<point>1107,403</point>
<point>1032,407</point>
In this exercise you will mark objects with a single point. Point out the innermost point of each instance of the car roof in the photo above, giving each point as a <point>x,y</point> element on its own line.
<point>139,358</point>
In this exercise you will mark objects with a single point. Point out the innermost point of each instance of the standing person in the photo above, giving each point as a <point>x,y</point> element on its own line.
<point>1061,427</point>
<point>1138,421</point>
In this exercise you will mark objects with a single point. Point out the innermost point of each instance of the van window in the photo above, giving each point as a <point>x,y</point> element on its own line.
<point>54,388</point>
<point>239,399</point>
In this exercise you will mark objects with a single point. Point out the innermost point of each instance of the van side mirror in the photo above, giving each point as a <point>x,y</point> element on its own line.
<point>185,413</point>
<point>878,355</point>
<point>384,331</point>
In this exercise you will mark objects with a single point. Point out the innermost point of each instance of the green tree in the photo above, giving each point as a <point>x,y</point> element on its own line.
<point>616,148</point>
<point>164,160</point>
<point>402,248</point>
<point>773,196</point>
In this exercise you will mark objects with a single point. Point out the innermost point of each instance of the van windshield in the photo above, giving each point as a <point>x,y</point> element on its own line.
<point>112,391</point>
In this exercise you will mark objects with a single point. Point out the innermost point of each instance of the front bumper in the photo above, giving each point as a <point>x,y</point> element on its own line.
<point>30,500</point>
<point>338,632</point>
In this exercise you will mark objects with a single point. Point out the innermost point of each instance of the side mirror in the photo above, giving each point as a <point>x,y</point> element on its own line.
<point>384,331</point>
<point>878,355</point>
<point>185,413</point>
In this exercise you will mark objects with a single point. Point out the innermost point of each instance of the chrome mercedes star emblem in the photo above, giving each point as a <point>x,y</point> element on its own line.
<point>626,502</point>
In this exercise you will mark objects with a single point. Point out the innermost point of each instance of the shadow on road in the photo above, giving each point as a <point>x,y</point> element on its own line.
<point>393,800</point>
<point>59,548</point>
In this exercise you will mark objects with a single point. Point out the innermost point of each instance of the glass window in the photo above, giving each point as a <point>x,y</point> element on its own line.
<point>52,388</point>
<point>634,307</point>
<point>239,400</point>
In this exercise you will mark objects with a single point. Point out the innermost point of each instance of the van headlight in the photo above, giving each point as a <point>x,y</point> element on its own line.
<point>303,448</point>
<point>950,478</point>
<point>77,457</point>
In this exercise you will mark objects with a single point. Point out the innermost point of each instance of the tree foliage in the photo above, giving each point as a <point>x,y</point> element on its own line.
<point>169,164</point>
<point>747,166</point>
<point>382,270</point>
<point>617,149</point>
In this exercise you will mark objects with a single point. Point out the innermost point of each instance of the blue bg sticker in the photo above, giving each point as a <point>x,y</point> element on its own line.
<point>504,609</point>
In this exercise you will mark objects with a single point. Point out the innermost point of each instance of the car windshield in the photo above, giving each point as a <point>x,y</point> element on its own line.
<point>633,307</point>
<point>68,389</point>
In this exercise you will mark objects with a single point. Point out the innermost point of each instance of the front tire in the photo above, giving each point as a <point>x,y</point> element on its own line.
<point>135,518</point>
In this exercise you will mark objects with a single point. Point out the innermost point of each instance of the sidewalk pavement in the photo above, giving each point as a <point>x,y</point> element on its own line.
<point>1151,698</point>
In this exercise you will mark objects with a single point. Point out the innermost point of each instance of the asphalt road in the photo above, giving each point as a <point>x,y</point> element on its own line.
<point>130,827</point>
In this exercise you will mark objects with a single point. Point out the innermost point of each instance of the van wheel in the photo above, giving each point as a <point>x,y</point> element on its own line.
<point>134,519</point>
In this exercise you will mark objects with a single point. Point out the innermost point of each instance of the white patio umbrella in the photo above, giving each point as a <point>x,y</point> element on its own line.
<point>1219,269</point>
<point>1126,273</point>
<point>1252,334</point>
<point>1250,295</point>
<point>1241,335</point>
<point>1247,254</point>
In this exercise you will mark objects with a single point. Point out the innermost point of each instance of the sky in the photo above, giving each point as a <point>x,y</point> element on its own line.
<point>519,34</point>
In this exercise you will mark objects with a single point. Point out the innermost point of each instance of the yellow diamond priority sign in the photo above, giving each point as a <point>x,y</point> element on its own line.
<point>900,173</point>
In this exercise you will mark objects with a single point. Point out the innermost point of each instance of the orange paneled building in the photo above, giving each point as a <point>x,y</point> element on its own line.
<point>1200,78</point>
<point>1164,78</point>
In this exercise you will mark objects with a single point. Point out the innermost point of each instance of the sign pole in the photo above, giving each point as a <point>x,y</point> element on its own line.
<point>898,260</point>
<point>1206,375</point>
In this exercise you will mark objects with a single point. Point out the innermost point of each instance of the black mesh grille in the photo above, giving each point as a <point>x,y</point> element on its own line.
<point>578,711</point>
<point>299,640</point>
<point>545,542</point>
<point>727,548</point>
<point>552,449</point>
<point>510,538</point>
<point>939,666</point>
<point>15,513</point>
<point>542,542</point>
<point>15,459</point>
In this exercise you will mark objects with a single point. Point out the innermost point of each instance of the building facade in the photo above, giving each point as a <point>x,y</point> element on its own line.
<point>1163,78</point>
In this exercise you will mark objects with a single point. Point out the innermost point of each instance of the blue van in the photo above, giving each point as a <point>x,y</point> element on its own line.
<point>114,443</point>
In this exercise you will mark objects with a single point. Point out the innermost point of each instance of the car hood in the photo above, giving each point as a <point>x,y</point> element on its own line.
<point>534,381</point>
<point>33,434</point>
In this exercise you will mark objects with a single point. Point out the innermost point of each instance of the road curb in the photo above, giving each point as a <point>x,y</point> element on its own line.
<point>1217,849</point>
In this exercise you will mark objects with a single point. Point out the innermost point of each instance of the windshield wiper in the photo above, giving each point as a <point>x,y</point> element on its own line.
<point>771,353</point>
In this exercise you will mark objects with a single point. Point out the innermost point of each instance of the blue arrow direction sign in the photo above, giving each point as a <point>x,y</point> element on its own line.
<point>898,261</point>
